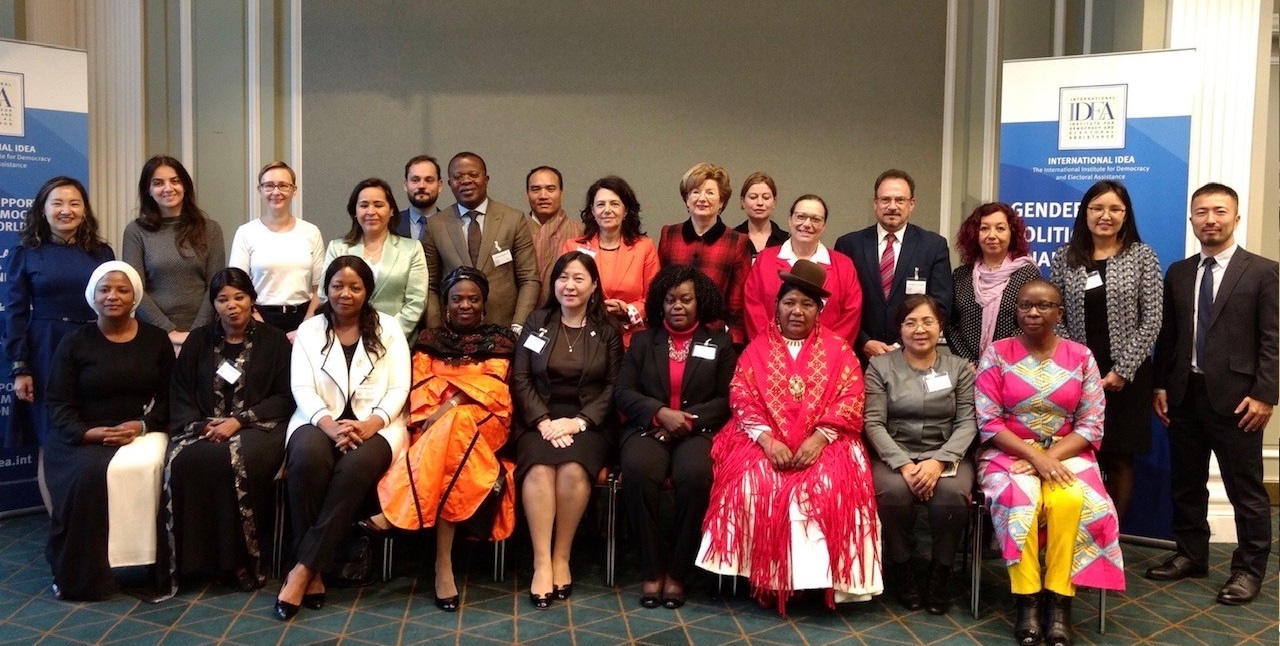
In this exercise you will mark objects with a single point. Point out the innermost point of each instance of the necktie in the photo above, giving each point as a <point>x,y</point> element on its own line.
<point>473,237</point>
<point>886,266</point>
<point>1204,309</point>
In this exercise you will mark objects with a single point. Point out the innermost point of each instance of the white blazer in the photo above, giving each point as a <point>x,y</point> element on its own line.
<point>322,380</point>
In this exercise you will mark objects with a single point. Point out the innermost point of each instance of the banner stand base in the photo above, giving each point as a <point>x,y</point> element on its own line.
<point>1147,541</point>
<point>14,513</point>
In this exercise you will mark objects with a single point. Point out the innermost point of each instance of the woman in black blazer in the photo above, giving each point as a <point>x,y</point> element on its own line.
<point>673,392</point>
<point>566,364</point>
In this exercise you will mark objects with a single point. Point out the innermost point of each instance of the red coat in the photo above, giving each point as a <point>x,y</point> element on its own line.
<point>842,313</point>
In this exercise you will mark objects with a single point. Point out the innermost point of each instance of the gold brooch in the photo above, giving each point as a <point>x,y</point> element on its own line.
<point>796,385</point>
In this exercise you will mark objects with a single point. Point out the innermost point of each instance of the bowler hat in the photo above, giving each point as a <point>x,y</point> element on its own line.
<point>808,276</point>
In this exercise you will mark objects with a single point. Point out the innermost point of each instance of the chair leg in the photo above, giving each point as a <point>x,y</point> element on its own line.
<point>1102,611</point>
<point>499,561</point>
<point>277,540</point>
<point>387,557</point>
<point>975,555</point>
<point>611,534</point>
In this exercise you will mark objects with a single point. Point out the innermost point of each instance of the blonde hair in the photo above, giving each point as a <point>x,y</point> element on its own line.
<point>702,172</point>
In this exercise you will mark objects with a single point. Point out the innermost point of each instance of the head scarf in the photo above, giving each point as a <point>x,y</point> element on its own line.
<point>106,268</point>
<point>462,273</point>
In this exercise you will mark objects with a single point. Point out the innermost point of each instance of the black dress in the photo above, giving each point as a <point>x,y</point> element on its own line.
<point>220,494</point>
<point>95,382</point>
<point>1127,429</point>
<point>590,449</point>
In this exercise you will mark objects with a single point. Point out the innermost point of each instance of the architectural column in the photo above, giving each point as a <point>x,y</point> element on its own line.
<point>112,35</point>
<point>1229,134</point>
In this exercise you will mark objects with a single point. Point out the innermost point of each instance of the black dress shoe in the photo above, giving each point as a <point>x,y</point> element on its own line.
<point>540,601</point>
<point>449,604</point>
<point>561,592</point>
<point>1241,588</point>
<point>1027,629</point>
<point>373,530</point>
<point>1057,631</point>
<point>1177,567</point>
<point>314,601</point>
<point>672,602</point>
<point>285,610</point>
<point>650,601</point>
<point>907,589</point>
<point>936,598</point>
<point>57,592</point>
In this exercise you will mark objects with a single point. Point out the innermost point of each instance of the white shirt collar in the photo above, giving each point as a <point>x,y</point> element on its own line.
<point>881,232</point>
<point>1224,257</point>
<point>821,256</point>
<point>482,209</point>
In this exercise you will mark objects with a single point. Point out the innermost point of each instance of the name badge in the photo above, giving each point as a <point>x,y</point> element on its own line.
<point>587,251</point>
<point>536,342</point>
<point>1094,281</point>
<point>937,382</point>
<point>915,287</point>
<point>704,351</point>
<point>228,372</point>
<point>501,257</point>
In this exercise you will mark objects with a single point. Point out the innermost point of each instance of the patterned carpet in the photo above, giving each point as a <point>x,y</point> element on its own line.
<point>401,611</point>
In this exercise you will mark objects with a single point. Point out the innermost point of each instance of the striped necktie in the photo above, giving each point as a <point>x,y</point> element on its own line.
<point>886,266</point>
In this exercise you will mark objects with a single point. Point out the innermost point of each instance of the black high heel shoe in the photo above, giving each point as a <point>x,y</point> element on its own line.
<point>449,604</point>
<point>540,601</point>
<point>561,592</point>
<point>314,601</point>
<point>285,610</point>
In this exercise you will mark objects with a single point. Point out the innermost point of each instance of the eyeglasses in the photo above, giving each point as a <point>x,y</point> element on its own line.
<point>898,200</point>
<point>1044,306</point>
<point>911,324</point>
<point>801,218</point>
<point>283,187</point>
<point>1099,210</point>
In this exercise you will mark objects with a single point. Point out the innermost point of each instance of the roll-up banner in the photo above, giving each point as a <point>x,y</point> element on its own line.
<point>1067,123</point>
<point>44,131</point>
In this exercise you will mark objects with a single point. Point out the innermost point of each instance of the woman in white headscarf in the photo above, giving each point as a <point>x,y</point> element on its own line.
<point>109,408</point>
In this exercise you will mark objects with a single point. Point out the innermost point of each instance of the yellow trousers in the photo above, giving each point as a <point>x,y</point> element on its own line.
<point>1059,513</point>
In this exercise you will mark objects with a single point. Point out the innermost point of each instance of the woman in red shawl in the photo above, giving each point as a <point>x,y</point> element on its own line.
<point>790,468</point>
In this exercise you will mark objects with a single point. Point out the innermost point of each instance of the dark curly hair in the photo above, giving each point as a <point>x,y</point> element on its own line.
<point>630,220</point>
<point>35,227</point>
<point>370,327</point>
<point>193,223</point>
<point>710,300</point>
<point>968,241</point>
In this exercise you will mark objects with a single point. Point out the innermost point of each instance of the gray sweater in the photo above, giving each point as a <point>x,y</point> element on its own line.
<point>176,281</point>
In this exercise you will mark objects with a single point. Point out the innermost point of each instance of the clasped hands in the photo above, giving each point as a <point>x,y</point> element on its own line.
<point>921,477</point>
<point>671,424</point>
<point>118,435</point>
<point>1048,468</point>
<point>220,429</point>
<point>783,458</point>
<point>349,434</point>
<point>560,431</point>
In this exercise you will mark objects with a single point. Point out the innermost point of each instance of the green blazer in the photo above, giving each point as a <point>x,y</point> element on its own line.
<point>400,280</point>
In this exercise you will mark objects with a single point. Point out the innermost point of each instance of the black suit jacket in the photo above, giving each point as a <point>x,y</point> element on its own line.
<point>531,386</point>
<point>1241,347</point>
<point>644,384</point>
<point>922,250</point>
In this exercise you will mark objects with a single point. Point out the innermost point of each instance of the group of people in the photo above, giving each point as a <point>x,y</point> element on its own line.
<point>801,401</point>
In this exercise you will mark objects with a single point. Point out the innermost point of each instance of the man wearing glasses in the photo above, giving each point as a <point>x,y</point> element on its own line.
<point>483,233</point>
<point>894,259</point>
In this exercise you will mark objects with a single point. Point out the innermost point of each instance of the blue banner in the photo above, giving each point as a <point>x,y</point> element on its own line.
<point>1067,123</point>
<point>44,132</point>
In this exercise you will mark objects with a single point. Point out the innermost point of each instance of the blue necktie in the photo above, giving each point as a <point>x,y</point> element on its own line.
<point>1204,309</point>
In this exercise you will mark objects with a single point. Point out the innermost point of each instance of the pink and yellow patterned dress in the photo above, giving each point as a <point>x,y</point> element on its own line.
<point>1040,400</point>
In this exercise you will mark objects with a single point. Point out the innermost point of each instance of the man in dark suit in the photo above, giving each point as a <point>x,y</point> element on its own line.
<point>894,259</point>
<point>1220,328</point>
<point>422,185</point>
<point>485,234</point>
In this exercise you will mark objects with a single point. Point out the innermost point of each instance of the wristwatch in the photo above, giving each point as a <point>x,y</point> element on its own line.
<point>582,425</point>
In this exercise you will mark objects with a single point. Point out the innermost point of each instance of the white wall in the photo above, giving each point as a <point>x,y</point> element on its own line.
<point>821,95</point>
